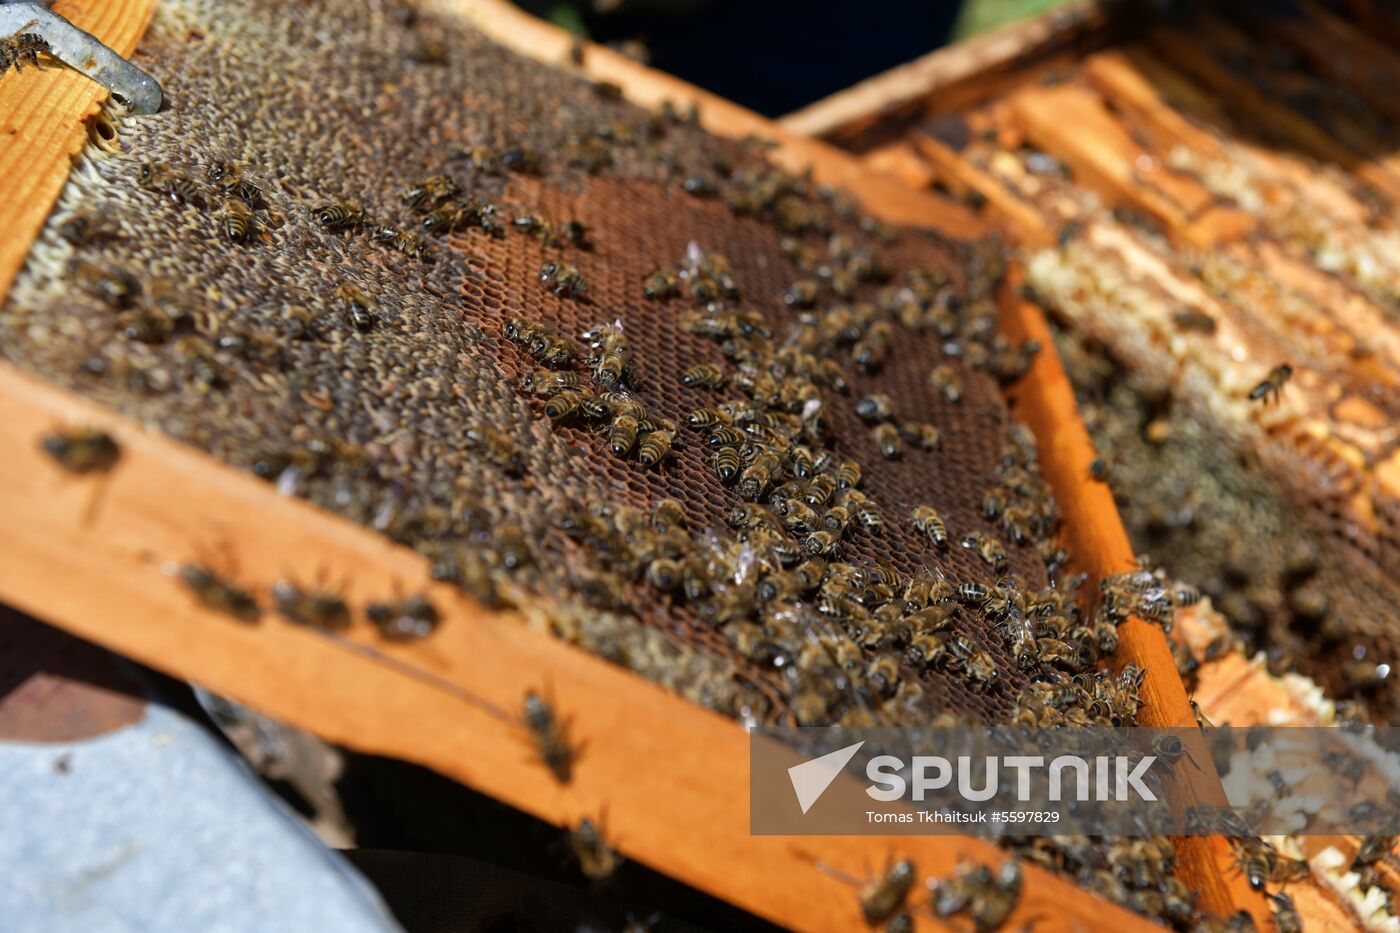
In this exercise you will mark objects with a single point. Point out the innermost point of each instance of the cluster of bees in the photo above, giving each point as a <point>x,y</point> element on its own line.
<point>1134,872</point>
<point>986,897</point>
<point>22,47</point>
<point>229,197</point>
<point>777,576</point>
<point>397,619</point>
<point>91,451</point>
<point>1168,390</point>
<point>629,426</point>
<point>1147,593</point>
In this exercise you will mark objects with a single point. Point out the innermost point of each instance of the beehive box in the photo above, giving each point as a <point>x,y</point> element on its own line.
<point>1201,198</point>
<point>298,400</point>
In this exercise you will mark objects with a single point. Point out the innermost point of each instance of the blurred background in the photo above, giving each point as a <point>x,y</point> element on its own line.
<point>774,56</point>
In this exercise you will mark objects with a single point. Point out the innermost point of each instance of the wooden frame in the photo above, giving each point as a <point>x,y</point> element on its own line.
<point>450,703</point>
<point>842,117</point>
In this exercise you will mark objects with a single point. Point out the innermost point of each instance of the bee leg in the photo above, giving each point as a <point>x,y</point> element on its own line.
<point>99,490</point>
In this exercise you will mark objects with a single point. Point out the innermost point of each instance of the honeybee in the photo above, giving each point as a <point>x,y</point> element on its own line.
<point>1273,384</point>
<point>945,379</point>
<point>611,358</point>
<point>410,244</point>
<point>848,475</point>
<point>236,219</point>
<point>704,376</point>
<point>1184,595</point>
<point>987,548</point>
<point>546,384</point>
<point>575,233</point>
<point>819,544</point>
<point>727,463</point>
<point>404,619</point>
<point>972,594</point>
<point>929,523</point>
<point>229,177</point>
<point>537,227</point>
<point>871,351</point>
<point>550,737</point>
<point>661,285</point>
<point>114,287</point>
<point>521,330</point>
<point>987,898</point>
<point>1286,917</point>
<point>357,305</point>
<point>566,404</point>
<point>1372,850</point>
<point>24,47</point>
<point>82,450</point>
<point>524,161</point>
<point>620,403</point>
<point>882,896</point>
<point>431,190</point>
<point>927,589</point>
<point>654,447</point>
<point>607,90</point>
<point>162,179</point>
<point>883,673</point>
<point>801,518</point>
<point>977,665</point>
<point>314,609</point>
<point>1191,320</point>
<point>758,474</point>
<point>147,325</point>
<point>747,515</point>
<point>836,519</point>
<point>928,646</point>
<point>665,573</point>
<point>542,345</point>
<point>919,434</point>
<point>84,228</point>
<point>874,408</point>
<point>596,859</point>
<point>819,491</point>
<point>1255,860</point>
<point>801,294</point>
<point>217,593</point>
<point>901,922</point>
<point>340,215</point>
<point>499,449</point>
<point>725,435</point>
<point>700,185</point>
<point>702,418</point>
<point>888,440</point>
<point>465,568</point>
<point>444,219</point>
<point>622,436</point>
<point>1105,637</point>
<point>480,161</point>
<point>511,548</point>
<point>588,153</point>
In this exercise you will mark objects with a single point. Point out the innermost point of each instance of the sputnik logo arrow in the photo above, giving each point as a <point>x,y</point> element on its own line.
<point>811,778</point>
